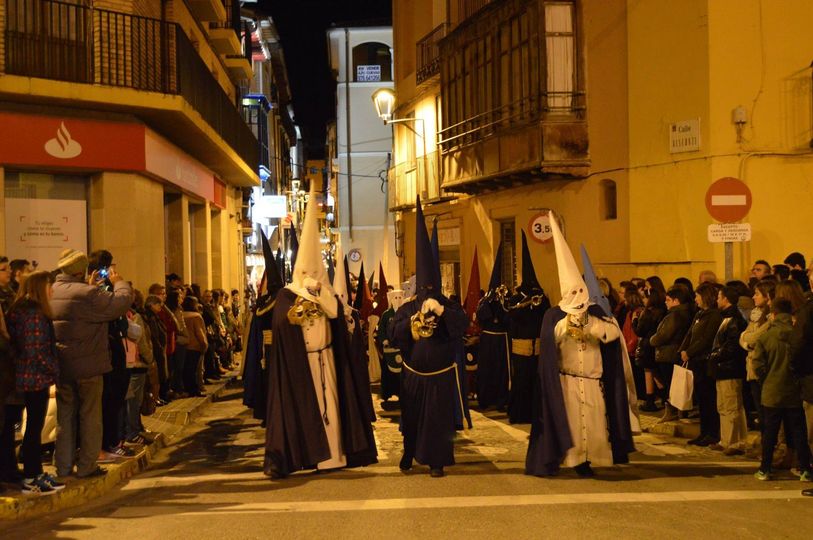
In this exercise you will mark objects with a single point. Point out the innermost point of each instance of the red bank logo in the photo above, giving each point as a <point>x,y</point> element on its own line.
<point>62,146</point>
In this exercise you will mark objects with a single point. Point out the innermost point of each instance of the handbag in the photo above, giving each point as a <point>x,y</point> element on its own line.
<point>682,388</point>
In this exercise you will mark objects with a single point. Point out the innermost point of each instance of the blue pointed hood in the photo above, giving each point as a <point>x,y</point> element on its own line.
<point>593,287</point>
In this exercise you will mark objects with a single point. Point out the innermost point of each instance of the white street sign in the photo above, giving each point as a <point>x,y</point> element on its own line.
<point>729,232</point>
<point>540,229</point>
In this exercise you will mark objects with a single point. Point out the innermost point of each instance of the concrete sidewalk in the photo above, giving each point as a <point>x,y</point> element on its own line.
<point>166,423</point>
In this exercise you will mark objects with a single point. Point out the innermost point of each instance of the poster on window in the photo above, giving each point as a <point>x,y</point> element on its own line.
<point>368,73</point>
<point>39,229</point>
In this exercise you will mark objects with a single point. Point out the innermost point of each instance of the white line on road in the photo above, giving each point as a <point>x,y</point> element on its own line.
<point>461,502</point>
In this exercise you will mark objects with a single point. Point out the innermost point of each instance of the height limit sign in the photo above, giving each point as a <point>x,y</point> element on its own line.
<point>539,228</point>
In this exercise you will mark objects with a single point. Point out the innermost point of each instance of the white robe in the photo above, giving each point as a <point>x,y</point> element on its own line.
<point>320,358</point>
<point>580,370</point>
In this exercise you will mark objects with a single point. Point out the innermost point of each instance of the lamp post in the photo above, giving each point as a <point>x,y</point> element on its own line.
<point>384,101</point>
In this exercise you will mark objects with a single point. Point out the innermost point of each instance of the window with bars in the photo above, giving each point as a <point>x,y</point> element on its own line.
<point>513,67</point>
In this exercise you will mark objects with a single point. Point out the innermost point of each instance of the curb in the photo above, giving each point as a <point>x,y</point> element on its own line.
<point>77,492</point>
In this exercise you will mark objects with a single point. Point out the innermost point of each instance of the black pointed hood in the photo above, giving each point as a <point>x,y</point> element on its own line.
<point>359,289</point>
<point>529,281</point>
<point>424,260</point>
<point>347,283</point>
<point>272,275</point>
<point>331,269</point>
<point>496,271</point>
<point>436,255</point>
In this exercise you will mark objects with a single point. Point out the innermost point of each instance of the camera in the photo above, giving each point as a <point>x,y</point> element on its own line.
<point>104,273</point>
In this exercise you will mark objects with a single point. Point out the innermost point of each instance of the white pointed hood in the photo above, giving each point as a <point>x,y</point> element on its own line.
<point>575,297</point>
<point>310,279</point>
<point>395,298</point>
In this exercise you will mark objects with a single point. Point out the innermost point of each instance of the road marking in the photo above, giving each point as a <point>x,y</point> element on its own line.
<point>516,434</point>
<point>433,503</point>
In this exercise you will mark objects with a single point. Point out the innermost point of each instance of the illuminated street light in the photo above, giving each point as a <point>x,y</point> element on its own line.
<point>384,101</point>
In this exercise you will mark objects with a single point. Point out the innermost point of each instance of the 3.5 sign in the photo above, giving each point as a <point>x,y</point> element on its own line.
<point>539,228</point>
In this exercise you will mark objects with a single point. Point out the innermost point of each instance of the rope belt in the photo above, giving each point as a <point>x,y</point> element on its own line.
<point>322,379</point>
<point>456,380</point>
<point>578,376</point>
<point>525,347</point>
<point>507,353</point>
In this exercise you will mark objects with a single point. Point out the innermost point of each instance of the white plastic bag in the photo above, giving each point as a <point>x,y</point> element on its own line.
<point>680,392</point>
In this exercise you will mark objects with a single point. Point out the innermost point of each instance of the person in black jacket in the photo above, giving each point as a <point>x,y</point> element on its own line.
<point>667,339</point>
<point>727,366</point>
<point>694,353</point>
<point>644,327</point>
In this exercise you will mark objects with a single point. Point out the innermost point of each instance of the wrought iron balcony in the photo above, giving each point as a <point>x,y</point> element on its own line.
<point>428,54</point>
<point>68,42</point>
<point>467,8</point>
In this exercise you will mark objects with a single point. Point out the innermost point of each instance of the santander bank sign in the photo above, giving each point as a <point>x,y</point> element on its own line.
<point>63,146</point>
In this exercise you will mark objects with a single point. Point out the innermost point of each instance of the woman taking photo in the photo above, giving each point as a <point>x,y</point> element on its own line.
<point>32,333</point>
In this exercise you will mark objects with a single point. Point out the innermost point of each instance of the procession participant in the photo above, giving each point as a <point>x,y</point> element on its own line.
<point>260,337</point>
<point>316,416</point>
<point>471,340</point>
<point>494,361</point>
<point>374,353</point>
<point>526,310</point>
<point>583,399</point>
<point>392,360</point>
<point>428,330</point>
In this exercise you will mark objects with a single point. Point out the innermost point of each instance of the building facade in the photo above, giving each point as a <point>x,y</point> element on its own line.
<point>589,109</point>
<point>361,62</point>
<point>122,129</point>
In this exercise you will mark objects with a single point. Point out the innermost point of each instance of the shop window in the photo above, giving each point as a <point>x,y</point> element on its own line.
<point>372,62</point>
<point>608,203</point>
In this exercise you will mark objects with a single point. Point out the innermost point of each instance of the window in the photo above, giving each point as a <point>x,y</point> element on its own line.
<point>560,45</point>
<point>372,62</point>
<point>608,203</point>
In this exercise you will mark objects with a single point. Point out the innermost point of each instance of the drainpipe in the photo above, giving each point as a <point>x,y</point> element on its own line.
<point>347,73</point>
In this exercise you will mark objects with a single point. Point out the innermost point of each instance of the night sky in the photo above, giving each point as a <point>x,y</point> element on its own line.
<point>302,25</point>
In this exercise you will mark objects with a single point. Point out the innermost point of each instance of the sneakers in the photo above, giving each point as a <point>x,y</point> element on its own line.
<point>806,476</point>
<point>136,439</point>
<point>38,485</point>
<point>733,452</point>
<point>121,451</point>
<point>760,475</point>
<point>53,482</point>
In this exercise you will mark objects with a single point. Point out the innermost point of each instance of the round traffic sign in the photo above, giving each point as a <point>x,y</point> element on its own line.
<point>728,199</point>
<point>354,255</point>
<point>539,228</point>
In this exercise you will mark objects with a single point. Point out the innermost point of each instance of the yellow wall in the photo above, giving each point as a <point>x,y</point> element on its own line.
<point>136,239</point>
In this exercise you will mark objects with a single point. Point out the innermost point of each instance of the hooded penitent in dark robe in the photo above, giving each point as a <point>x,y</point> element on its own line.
<point>526,310</point>
<point>391,363</point>
<point>429,331</point>
<point>258,348</point>
<point>317,415</point>
<point>493,360</point>
<point>583,414</point>
<point>462,413</point>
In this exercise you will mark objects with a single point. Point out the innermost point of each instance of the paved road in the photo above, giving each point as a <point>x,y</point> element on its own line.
<point>209,485</point>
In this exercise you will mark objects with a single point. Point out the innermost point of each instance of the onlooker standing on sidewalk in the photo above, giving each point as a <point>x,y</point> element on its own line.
<point>176,361</point>
<point>139,361</point>
<point>667,340</point>
<point>196,347</point>
<point>694,353</point>
<point>36,367</point>
<point>82,312</point>
<point>748,339</point>
<point>117,380</point>
<point>6,376</point>
<point>727,367</point>
<point>781,400</point>
<point>802,360</point>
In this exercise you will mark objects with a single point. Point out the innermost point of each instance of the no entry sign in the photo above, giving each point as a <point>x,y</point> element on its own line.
<point>728,199</point>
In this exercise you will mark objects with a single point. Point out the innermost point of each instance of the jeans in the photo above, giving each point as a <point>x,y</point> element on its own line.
<point>190,372</point>
<point>705,394</point>
<point>36,407</point>
<point>794,421</point>
<point>132,420</point>
<point>113,397</point>
<point>8,457</point>
<point>81,401</point>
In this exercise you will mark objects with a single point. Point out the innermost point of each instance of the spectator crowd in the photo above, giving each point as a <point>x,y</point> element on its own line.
<point>82,339</point>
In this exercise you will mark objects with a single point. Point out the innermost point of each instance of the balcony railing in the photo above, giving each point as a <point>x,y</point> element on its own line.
<point>467,8</point>
<point>233,22</point>
<point>68,42</point>
<point>428,53</point>
<point>418,176</point>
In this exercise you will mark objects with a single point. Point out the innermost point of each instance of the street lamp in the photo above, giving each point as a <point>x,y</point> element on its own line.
<point>384,101</point>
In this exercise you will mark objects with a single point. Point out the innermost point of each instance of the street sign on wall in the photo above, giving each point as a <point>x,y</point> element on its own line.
<point>539,228</point>
<point>729,232</point>
<point>728,200</point>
